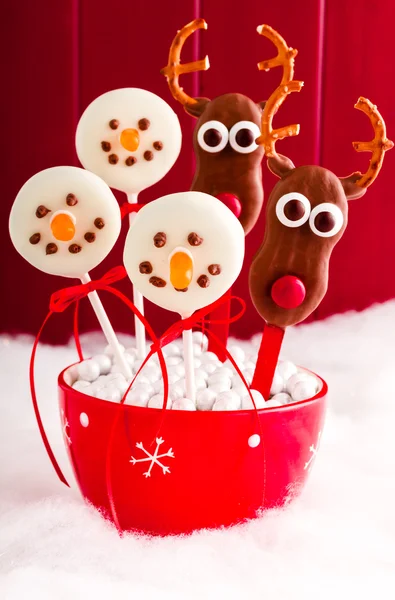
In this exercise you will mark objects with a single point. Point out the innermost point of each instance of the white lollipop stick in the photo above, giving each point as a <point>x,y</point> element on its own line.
<point>138,298</point>
<point>189,365</point>
<point>107,329</point>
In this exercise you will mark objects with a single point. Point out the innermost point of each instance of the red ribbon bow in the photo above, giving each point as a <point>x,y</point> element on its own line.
<point>128,207</point>
<point>62,299</point>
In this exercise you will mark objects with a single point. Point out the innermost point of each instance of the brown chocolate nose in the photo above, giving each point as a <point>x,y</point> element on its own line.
<point>231,201</point>
<point>288,292</point>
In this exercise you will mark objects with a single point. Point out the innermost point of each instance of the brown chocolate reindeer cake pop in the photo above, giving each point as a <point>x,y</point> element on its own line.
<point>306,215</point>
<point>228,157</point>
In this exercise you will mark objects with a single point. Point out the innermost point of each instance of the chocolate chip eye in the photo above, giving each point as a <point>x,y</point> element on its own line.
<point>145,267</point>
<point>35,238</point>
<point>90,237</point>
<point>325,222</point>
<point>326,219</point>
<point>42,211</point>
<point>214,269</point>
<point>71,200</point>
<point>51,248</point>
<point>194,239</point>
<point>293,209</point>
<point>203,281</point>
<point>99,223</point>
<point>144,124</point>
<point>114,124</point>
<point>160,239</point>
<point>242,137</point>
<point>213,136</point>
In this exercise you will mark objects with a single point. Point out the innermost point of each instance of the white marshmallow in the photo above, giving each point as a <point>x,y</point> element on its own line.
<point>157,401</point>
<point>237,353</point>
<point>178,370</point>
<point>277,384</point>
<point>81,385</point>
<point>208,356</point>
<point>199,338</point>
<point>205,399</point>
<point>227,401</point>
<point>201,374</point>
<point>294,379</point>
<point>171,349</point>
<point>210,367</point>
<point>171,361</point>
<point>221,386</point>
<point>89,370</point>
<point>282,397</point>
<point>112,394</point>
<point>259,400</point>
<point>226,371</point>
<point>286,369</point>
<point>132,352</point>
<point>183,404</point>
<point>303,390</point>
<point>109,351</point>
<point>197,350</point>
<point>218,377</point>
<point>104,362</point>
<point>272,404</point>
<point>139,395</point>
<point>196,362</point>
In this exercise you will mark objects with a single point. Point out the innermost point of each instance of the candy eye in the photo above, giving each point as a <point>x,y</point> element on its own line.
<point>242,137</point>
<point>326,219</point>
<point>293,209</point>
<point>213,136</point>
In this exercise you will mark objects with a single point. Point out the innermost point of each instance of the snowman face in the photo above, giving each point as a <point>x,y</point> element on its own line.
<point>65,221</point>
<point>130,138</point>
<point>184,251</point>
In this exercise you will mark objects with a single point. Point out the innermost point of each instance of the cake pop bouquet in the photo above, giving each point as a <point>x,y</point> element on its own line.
<point>186,431</point>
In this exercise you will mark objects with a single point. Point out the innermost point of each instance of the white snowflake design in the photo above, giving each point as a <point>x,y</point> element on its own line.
<point>153,458</point>
<point>313,450</point>
<point>66,427</point>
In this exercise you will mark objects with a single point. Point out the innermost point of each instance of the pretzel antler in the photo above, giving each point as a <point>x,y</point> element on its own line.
<point>378,146</point>
<point>285,58</point>
<point>174,68</point>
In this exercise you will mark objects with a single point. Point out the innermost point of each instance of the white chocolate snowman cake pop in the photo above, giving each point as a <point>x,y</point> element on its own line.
<point>130,137</point>
<point>65,221</point>
<point>184,251</point>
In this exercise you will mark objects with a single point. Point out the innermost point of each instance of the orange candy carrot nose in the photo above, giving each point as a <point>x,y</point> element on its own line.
<point>63,228</point>
<point>130,139</point>
<point>181,270</point>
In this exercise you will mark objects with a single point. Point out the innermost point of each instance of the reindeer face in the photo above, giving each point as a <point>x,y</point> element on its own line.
<point>306,216</point>
<point>228,159</point>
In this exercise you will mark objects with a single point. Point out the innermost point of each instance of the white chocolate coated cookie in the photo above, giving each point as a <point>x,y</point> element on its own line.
<point>130,137</point>
<point>65,221</point>
<point>184,251</point>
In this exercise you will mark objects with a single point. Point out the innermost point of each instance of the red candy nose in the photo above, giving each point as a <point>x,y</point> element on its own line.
<point>231,201</point>
<point>288,292</point>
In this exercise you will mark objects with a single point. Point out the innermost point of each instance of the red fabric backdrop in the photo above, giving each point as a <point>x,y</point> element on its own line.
<point>58,56</point>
